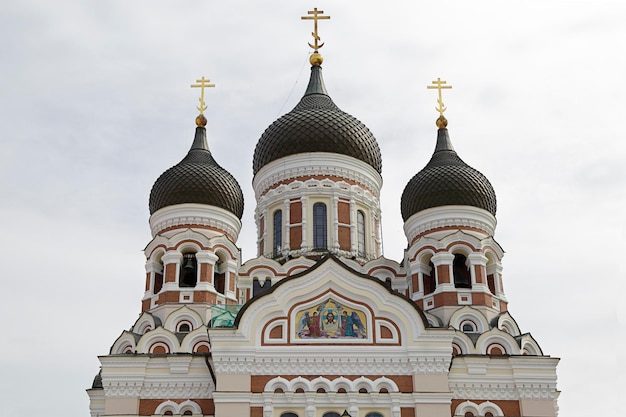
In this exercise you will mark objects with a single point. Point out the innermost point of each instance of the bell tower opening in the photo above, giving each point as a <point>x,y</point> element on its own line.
<point>189,270</point>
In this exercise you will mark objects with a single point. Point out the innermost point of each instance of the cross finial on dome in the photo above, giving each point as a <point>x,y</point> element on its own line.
<point>439,84</point>
<point>202,84</point>
<point>316,58</point>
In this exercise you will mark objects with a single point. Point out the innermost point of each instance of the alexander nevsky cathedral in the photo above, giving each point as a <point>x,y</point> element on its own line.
<point>319,323</point>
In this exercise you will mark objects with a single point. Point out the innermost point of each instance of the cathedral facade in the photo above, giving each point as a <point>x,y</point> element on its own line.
<point>319,323</point>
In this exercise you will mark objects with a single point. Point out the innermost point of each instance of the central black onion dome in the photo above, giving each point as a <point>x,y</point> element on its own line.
<point>197,179</point>
<point>447,180</point>
<point>316,124</point>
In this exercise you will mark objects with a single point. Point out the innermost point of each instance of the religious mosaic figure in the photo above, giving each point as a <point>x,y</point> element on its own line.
<point>330,320</point>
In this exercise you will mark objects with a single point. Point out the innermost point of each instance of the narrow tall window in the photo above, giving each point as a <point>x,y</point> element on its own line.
<point>462,277</point>
<point>320,240</point>
<point>278,233</point>
<point>429,280</point>
<point>360,230</point>
<point>188,271</point>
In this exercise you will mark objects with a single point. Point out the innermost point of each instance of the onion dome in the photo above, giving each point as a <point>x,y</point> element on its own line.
<point>316,124</point>
<point>197,179</point>
<point>447,180</point>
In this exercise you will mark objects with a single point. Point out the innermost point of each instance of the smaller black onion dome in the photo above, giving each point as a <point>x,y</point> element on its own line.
<point>97,381</point>
<point>447,180</point>
<point>316,124</point>
<point>197,179</point>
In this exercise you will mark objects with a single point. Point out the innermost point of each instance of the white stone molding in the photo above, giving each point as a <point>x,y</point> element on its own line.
<point>158,335</point>
<point>395,337</point>
<point>122,389</point>
<point>331,385</point>
<point>497,336</point>
<point>195,214</point>
<point>480,390</point>
<point>507,323</point>
<point>144,323</point>
<point>537,391</point>
<point>530,346</point>
<point>431,365</point>
<point>313,164</point>
<point>472,314</point>
<point>273,325</point>
<point>182,314</point>
<point>178,389</point>
<point>464,343</point>
<point>478,409</point>
<point>449,216</point>
<point>195,338</point>
<point>123,343</point>
<point>344,364</point>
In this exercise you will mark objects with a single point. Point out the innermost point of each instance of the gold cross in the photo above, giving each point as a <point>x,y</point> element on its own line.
<point>317,15</point>
<point>202,84</point>
<point>439,85</point>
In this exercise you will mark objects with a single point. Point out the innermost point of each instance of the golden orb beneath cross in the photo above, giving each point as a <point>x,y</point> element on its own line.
<point>201,120</point>
<point>316,59</point>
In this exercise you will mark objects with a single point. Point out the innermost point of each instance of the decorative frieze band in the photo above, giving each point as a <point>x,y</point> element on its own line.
<point>484,391</point>
<point>332,365</point>
<point>124,389</point>
<point>504,391</point>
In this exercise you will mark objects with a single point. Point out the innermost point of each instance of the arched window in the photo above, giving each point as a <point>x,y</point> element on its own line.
<point>332,414</point>
<point>188,271</point>
<point>374,414</point>
<point>468,327</point>
<point>429,280</point>
<point>158,275</point>
<point>360,230</point>
<point>462,277</point>
<point>278,233</point>
<point>257,288</point>
<point>219,276</point>
<point>320,239</point>
<point>289,415</point>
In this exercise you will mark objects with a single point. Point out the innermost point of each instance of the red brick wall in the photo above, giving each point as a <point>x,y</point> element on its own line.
<point>295,212</point>
<point>295,237</point>
<point>344,237</point>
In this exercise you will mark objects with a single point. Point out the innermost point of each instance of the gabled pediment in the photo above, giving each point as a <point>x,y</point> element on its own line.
<point>329,303</point>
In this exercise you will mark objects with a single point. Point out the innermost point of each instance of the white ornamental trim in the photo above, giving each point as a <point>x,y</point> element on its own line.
<point>317,163</point>
<point>449,216</point>
<point>184,214</point>
<point>492,391</point>
<point>122,389</point>
<point>331,365</point>
<point>178,390</point>
<point>537,391</point>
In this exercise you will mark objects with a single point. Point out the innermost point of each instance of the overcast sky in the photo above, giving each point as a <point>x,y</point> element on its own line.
<point>95,104</point>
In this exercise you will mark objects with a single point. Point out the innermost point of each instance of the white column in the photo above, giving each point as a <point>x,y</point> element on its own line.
<point>172,257</point>
<point>335,231</point>
<point>305,225</point>
<point>286,225</point>
<point>354,238</point>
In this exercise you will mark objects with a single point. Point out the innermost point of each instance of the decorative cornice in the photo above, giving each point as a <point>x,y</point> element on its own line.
<point>537,391</point>
<point>332,365</point>
<point>178,389</point>
<point>195,214</point>
<point>449,216</point>
<point>491,391</point>
<point>315,164</point>
<point>122,389</point>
